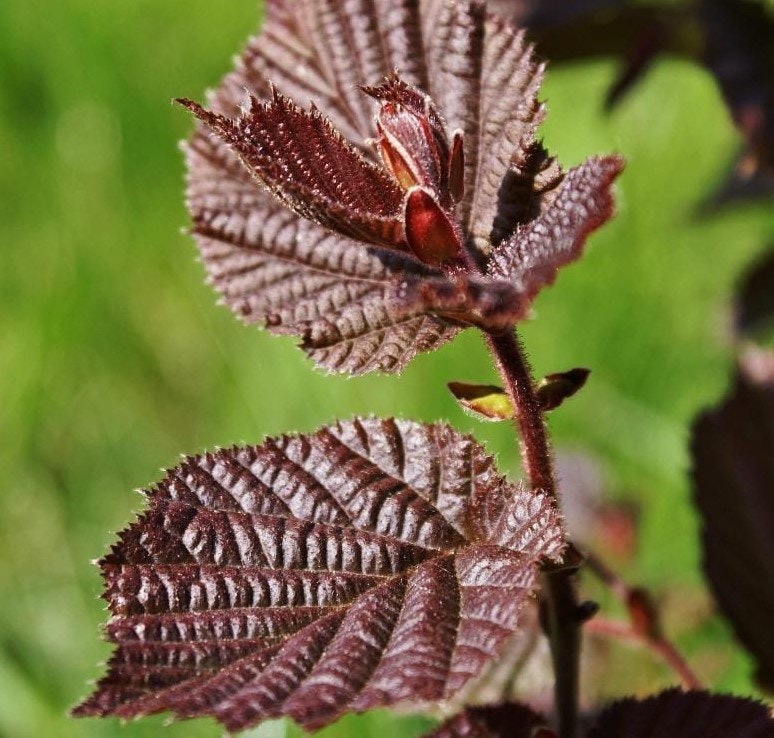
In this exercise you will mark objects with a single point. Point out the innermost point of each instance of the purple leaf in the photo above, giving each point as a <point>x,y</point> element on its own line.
<point>372,563</point>
<point>531,257</point>
<point>685,714</point>
<point>306,164</point>
<point>297,278</point>
<point>733,475</point>
<point>508,720</point>
<point>459,123</point>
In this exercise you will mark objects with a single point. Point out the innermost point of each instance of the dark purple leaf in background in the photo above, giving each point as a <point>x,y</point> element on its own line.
<point>733,39</point>
<point>739,51</point>
<point>733,474</point>
<point>754,304</point>
<point>677,714</point>
<point>372,563</point>
<point>509,720</point>
<point>670,714</point>
<point>539,15</point>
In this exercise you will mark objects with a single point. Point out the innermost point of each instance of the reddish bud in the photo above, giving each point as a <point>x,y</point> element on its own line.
<point>408,147</point>
<point>430,233</point>
<point>413,144</point>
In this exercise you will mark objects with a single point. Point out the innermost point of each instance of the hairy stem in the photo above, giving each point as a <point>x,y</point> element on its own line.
<point>645,623</point>
<point>517,380</point>
<point>560,610</point>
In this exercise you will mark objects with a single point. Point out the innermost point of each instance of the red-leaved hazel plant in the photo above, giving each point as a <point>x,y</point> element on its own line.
<point>369,180</point>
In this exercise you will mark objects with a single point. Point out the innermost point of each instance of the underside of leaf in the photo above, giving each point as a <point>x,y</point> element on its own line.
<point>372,563</point>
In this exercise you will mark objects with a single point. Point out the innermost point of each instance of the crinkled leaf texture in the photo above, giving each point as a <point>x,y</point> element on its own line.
<point>283,234</point>
<point>733,475</point>
<point>372,563</point>
<point>675,713</point>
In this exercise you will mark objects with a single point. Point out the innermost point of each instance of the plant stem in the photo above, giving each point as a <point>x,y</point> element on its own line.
<point>561,619</point>
<point>664,649</point>
<point>645,626</point>
<point>516,376</point>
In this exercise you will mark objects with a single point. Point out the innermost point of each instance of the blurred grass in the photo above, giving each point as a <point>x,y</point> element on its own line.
<point>114,358</point>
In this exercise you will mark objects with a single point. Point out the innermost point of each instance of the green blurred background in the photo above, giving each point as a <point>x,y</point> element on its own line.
<point>114,357</point>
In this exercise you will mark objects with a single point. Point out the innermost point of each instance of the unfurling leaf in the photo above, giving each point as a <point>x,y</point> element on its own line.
<point>643,614</point>
<point>554,389</point>
<point>372,563</point>
<point>304,229</point>
<point>733,474</point>
<point>531,257</point>
<point>412,138</point>
<point>302,160</point>
<point>489,402</point>
<point>673,714</point>
<point>508,720</point>
<point>484,401</point>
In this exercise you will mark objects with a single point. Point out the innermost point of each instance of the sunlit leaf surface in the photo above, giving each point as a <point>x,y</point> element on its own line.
<point>372,563</point>
<point>303,228</point>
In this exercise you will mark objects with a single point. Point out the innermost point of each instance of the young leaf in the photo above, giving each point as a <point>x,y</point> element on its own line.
<point>554,389</point>
<point>456,132</point>
<point>372,563</point>
<point>489,402</point>
<point>306,164</point>
<point>484,401</point>
<point>733,474</point>
<point>531,257</point>
<point>508,720</point>
<point>685,714</point>
<point>300,279</point>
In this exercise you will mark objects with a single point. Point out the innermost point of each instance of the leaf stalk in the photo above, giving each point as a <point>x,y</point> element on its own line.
<point>561,612</point>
